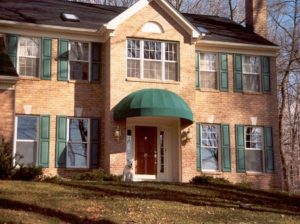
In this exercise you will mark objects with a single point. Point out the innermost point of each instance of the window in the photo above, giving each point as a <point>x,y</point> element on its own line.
<point>208,70</point>
<point>152,60</point>
<point>26,140</point>
<point>29,56</point>
<point>79,60</point>
<point>210,147</point>
<point>254,146</point>
<point>78,143</point>
<point>251,73</point>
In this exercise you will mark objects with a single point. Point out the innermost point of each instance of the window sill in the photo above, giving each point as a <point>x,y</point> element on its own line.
<point>78,81</point>
<point>29,78</point>
<point>208,90</point>
<point>255,173</point>
<point>212,172</point>
<point>152,81</point>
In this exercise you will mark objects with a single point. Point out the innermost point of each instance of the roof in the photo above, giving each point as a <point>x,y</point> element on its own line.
<point>93,16</point>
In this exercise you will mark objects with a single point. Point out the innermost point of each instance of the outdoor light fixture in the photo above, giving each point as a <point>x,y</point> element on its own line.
<point>186,135</point>
<point>118,132</point>
<point>27,109</point>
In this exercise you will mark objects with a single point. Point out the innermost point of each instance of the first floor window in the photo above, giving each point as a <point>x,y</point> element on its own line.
<point>79,60</point>
<point>208,70</point>
<point>78,143</point>
<point>251,73</point>
<point>254,148</point>
<point>27,140</point>
<point>210,147</point>
<point>29,56</point>
<point>152,59</point>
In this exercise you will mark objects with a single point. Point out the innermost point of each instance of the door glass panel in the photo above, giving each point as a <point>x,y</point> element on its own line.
<point>162,151</point>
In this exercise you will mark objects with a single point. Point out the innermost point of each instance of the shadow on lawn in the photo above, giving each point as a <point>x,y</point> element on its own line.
<point>224,196</point>
<point>67,217</point>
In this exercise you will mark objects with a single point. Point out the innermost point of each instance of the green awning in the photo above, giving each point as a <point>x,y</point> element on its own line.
<point>152,102</point>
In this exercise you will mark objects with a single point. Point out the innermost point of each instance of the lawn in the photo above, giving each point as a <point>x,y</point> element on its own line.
<point>111,202</point>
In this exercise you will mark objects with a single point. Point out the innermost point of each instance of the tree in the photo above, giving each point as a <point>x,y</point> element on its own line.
<point>285,24</point>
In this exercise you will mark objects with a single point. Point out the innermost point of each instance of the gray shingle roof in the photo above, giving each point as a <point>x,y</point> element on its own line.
<point>48,12</point>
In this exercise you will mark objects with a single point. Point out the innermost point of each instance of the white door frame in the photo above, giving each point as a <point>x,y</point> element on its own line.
<point>162,124</point>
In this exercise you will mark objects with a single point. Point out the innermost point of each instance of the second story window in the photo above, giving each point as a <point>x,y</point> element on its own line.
<point>29,56</point>
<point>79,60</point>
<point>251,73</point>
<point>152,60</point>
<point>208,70</point>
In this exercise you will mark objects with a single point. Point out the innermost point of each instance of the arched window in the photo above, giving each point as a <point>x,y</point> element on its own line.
<point>152,27</point>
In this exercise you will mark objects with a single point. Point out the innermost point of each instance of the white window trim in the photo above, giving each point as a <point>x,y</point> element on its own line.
<point>88,143</point>
<point>16,136</point>
<point>248,73</point>
<point>89,61</point>
<point>142,59</point>
<point>217,69</point>
<point>255,149</point>
<point>40,57</point>
<point>219,149</point>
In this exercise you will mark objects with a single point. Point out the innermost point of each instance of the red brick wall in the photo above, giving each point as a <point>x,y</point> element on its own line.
<point>7,104</point>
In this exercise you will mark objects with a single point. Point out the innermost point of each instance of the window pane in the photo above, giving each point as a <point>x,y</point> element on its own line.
<point>29,46</point>
<point>78,130</point>
<point>27,150</point>
<point>171,71</point>
<point>29,66</point>
<point>77,155</point>
<point>209,147</point>
<point>152,70</point>
<point>133,48</point>
<point>133,68</point>
<point>254,160</point>
<point>208,62</point>
<point>251,64</point>
<point>79,51</point>
<point>27,128</point>
<point>171,52</point>
<point>251,82</point>
<point>208,80</point>
<point>152,50</point>
<point>209,157</point>
<point>79,70</point>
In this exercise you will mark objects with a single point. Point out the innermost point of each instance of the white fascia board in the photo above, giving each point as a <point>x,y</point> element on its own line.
<point>28,29</point>
<point>4,77</point>
<point>114,23</point>
<point>237,44</point>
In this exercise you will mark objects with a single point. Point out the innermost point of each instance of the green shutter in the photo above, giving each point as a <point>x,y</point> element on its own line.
<point>95,61</point>
<point>95,143</point>
<point>198,146</point>
<point>197,70</point>
<point>46,58</point>
<point>240,148</point>
<point>61,141</point>
<point>226,155</point>
<point>63,60</point>
<point>12,48</point>
<point>44,141</point>
<point>266,74</point>
<point>223,72</point>
<point>269,155</point>
<point>238,73</point>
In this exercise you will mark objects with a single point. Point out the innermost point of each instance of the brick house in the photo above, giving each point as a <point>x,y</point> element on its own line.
<point>84,86</point>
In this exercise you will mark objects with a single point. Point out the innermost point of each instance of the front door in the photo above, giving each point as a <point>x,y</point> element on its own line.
<point>145,150</point>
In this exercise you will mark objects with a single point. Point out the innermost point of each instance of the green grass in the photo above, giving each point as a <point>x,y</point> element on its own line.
<point>109,202</point>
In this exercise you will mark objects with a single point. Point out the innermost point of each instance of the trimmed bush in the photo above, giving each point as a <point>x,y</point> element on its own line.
<point>6,158</point>
<point>209,180</point>
<point>96,175</point>
<point>26,173</point>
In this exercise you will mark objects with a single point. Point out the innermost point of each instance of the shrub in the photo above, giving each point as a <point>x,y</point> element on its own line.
<point>26,173</point>
<point>6,158</point>
<point>209,180</point>
<point>96,175</point>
